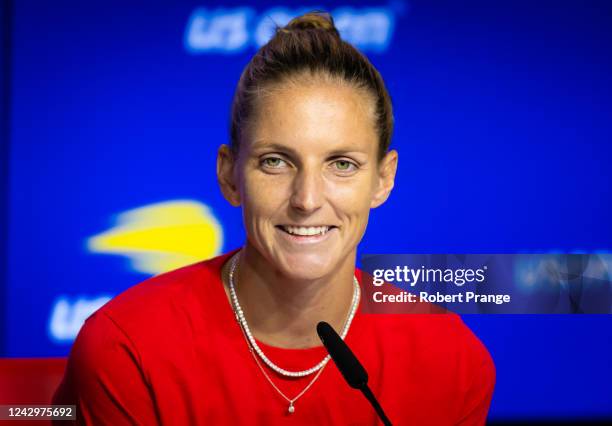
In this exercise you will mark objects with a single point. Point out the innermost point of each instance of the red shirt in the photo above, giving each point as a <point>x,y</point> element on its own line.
<point>169,351</point>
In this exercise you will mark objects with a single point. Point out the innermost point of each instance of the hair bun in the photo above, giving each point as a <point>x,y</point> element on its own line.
<point>315,20</point>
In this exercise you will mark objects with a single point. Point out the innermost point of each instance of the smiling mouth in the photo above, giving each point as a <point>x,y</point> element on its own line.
<point>306,231</point>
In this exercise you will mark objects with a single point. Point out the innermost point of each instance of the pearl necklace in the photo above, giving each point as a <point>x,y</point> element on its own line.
<point>291,401</point>
<point>243,323</point>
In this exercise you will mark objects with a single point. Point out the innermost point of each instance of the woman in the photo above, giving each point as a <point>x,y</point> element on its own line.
<point>232,340</point>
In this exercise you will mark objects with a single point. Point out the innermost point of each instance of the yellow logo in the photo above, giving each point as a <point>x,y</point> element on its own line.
<point>163,236</point>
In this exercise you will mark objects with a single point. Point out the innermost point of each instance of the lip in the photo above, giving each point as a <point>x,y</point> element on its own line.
<point>306,239</point>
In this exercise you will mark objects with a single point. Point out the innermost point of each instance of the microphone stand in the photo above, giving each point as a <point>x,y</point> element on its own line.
<point>370,396</point>
<point>350,367</point>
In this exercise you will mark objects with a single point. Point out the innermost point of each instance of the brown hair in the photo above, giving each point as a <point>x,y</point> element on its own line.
<point>309,44</point>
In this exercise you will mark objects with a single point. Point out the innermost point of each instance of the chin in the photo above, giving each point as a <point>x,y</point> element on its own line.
<point>306,268</point>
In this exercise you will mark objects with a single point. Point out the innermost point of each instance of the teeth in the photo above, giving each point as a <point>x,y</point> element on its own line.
<point>302,230</point>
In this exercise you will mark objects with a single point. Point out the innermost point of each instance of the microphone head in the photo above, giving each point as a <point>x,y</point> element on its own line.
<point>343,357</point>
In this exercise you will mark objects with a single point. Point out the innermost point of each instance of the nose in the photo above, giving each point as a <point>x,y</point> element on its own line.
<point>307,195</point>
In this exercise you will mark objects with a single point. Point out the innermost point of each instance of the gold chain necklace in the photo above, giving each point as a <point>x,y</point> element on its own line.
<point>235,307</point>
<point>291,407</point>
<point>252,342</point>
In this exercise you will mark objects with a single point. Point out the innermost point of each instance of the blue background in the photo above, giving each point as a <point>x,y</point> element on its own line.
<point>504,125</point>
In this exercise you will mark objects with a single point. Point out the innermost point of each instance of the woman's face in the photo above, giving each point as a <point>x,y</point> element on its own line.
<point>307,176</point>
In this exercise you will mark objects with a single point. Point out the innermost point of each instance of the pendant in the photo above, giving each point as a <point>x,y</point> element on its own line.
<point>291,408</point>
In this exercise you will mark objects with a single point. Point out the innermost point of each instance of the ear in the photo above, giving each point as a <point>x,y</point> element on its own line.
<point>226,175</point>
<point>387,168</point>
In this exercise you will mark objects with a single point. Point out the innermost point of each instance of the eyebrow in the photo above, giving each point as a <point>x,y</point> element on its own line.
<point>271,145</point>
<point>286,148</point>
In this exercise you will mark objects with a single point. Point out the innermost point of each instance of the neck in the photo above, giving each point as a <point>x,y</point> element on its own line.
<point>284,311</point>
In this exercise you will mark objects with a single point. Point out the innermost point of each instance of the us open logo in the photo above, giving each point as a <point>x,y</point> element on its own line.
<point>231,31</point>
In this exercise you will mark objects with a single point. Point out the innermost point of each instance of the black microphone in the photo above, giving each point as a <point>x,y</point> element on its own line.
<point>349,365</point>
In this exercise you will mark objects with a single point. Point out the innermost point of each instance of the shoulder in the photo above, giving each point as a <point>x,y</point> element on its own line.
<point>125,339</point>
<point>449,332</point>
<point>148,296</point>
<point>439,359</point>
<point>439,339</point>
<point>155,308</point>
<point>152,294</point>
<point>433,331</point>
<point>440,343</point>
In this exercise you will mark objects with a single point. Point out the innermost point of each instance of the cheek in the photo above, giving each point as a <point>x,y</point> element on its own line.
<point>354,197</point>
<point>258,198</point>
<point>355,193</point>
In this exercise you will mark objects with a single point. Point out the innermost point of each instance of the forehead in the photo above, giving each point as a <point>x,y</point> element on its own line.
<point>315,115</point>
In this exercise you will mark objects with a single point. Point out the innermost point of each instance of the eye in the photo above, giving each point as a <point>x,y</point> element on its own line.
<point>345,166</point>
<point>272,162</point>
